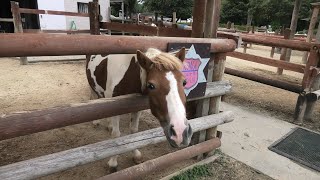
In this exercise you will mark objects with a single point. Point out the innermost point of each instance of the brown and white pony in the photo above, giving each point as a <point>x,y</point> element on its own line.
<point>155,73</point>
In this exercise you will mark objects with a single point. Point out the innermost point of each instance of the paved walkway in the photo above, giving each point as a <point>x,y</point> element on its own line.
<point>248,137</point>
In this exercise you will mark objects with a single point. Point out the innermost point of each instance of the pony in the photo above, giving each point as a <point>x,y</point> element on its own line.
<point>154,73</point>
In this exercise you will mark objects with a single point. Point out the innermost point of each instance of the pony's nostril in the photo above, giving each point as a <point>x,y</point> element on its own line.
<point>172,131</point>
<point>189,130</point>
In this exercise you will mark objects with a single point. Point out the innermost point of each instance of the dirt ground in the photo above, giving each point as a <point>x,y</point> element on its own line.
<point>43,85</point>
<point>263,98</point>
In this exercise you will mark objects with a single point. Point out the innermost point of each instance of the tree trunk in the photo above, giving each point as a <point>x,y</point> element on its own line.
<point>293,26</point>
<point>249,19</point>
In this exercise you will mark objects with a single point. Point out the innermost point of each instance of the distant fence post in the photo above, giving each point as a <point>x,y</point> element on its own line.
<point>284,50</point>
<point>94,20</point>
<point>276,32</point>
<point>313,21</point>
<point>94,17</point>
<point>198,14</point>
<point>174,18</point>
<point>17,25</point>
<point>245,46</point>
<point>216,18</point>
<point>310,74</point>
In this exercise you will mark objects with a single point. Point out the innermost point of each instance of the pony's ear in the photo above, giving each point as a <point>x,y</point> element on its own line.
<point>143,60</point>
<point>181,54</point>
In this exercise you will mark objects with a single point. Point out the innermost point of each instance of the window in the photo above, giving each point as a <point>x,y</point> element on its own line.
<point>83,7</point>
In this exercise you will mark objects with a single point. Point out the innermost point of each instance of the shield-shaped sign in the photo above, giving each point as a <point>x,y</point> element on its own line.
<point>195,67</point>
<point>190,71</point>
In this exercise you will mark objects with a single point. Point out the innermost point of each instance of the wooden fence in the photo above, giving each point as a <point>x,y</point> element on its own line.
<point>309,71</point>
<point>17,21</point>
<point>41,120</point>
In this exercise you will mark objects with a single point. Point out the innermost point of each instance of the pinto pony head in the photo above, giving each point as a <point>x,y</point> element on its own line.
<point>165,88</point>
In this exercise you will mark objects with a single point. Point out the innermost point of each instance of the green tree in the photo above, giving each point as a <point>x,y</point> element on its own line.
<point>256,11</point>
<point>183,8</point>
<point>234,11</point>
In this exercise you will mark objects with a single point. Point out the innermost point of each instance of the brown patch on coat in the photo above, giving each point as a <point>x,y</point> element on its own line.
<point>131,82</point>
<point>100,73</point>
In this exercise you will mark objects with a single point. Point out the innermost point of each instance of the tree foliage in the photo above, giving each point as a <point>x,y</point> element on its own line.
<point>183,8</point>
<point>234,11</point>
<point>264,12</point>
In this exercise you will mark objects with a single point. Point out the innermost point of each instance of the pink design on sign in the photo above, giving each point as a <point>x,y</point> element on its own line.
<point>190,71</point>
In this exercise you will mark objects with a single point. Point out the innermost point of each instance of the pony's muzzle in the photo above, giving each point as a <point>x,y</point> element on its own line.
<point>178,139</point>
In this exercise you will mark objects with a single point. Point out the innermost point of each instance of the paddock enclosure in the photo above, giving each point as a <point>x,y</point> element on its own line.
<point>27,42</point>
<point>40,120</point>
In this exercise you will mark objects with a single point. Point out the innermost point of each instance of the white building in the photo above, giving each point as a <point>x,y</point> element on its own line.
<point>69,22</point>
<point>52,22</point>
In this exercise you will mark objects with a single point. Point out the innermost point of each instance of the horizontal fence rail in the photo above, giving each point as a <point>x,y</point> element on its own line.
<point>265,80</point>
<point>267,41</point>
<point>64,160</point>
<point>40,11</point>
<point>23,123</point>
<point>268,61</point>
<point>56,31</point>
<point>58,45</point>
<point>146,30</point>
<point>140,170</point>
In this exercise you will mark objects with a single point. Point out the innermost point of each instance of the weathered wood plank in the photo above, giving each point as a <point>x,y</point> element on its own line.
<point>28,122</point>
<point>60,161</point>
<point>268,61</point>
<point>54,44</point>
<point>41,11</point>
<point>140,170</point>
<point>214,108</point>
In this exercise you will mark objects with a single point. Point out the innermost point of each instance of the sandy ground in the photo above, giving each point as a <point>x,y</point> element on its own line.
<point>42,85</point>
<point>264,98</point>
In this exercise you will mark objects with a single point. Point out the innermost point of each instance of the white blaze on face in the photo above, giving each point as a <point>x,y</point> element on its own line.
<point>176,109</point>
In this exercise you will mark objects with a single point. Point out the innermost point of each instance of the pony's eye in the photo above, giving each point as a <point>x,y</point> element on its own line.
<point>150,86</point>
<point>184,82</point>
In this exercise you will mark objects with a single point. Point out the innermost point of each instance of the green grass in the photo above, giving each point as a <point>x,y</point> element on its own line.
<point>194,173</point>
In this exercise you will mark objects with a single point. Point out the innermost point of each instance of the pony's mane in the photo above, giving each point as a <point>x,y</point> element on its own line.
<point>164,61</point>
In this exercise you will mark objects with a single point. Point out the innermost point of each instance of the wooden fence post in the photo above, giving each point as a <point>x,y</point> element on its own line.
<point>293,25</point>
<point>216,18</point>
<point>301,111</point>
<point>312,62</point>
<point>94,17</point>
<point>313,21</point>
<point>310,104</point>
<point>204,104</point>
<point>199,9</point>
<point>284,50</point>
<point>245,46</point>
<point>17,25</point>
<point>276,32</point>
<point>94,21</point>
<point>214,107</point>
<point>228,25</point>
<point>197,32</point>
<point>209,19</point>
<point>174,18</point>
